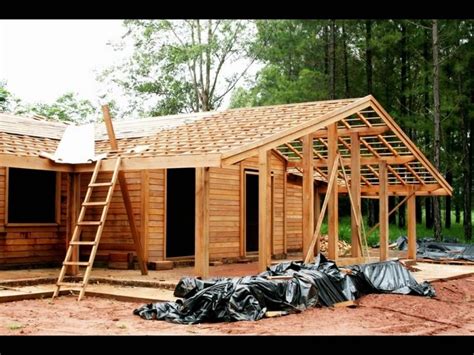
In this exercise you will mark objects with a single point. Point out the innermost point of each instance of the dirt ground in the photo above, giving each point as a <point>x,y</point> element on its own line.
<point>451,312</point>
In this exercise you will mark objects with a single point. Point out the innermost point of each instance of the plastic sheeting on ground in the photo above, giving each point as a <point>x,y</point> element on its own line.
<point>429,248</point>
<point>248,298</point>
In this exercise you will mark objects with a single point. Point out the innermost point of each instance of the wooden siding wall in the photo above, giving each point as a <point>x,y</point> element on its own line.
<point>156,215</point>
<point>294,215</point>
<point>32,244</point>
<point>116,235</point>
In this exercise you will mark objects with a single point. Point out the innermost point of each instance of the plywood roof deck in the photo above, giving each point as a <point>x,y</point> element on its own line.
<point>226,137</point>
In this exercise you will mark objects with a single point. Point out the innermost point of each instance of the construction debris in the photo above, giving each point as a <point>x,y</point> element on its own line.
<point>251,297</point>
<point>344,248</point>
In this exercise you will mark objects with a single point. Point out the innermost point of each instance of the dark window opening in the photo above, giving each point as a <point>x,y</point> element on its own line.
<point>251,212</point>
<point>180,207</point>
<point>31,196</point>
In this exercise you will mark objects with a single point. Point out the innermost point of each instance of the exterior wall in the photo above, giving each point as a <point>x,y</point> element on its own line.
<point>25,245</point>
<point>294,215</point>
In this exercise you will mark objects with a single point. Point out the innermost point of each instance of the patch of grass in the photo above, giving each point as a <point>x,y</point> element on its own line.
<point>122,326</point>
<point>15,326</point>
<point>456,230</point>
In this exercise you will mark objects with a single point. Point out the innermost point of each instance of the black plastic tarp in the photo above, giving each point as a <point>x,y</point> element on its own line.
<point>429,248</point>
<point>307,285</point>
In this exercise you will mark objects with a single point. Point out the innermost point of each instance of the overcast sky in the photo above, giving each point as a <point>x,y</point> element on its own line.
<point>43,59</point>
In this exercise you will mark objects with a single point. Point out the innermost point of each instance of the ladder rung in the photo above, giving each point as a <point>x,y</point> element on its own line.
<point>73,284</point>
<point>98,184</point>
<point>79,263</point>
<point>98,203</point>
<point>89,223</point>
<point>82,243</point>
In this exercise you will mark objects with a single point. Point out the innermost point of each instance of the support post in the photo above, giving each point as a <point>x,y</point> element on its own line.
<point>333,218</point>
<point>383,210</point>
<point>317,204</point>
<point>74,208</point>
<point>201,262</point>
<point>125,194</point>
<point>308,192</point>
<point>355,190</point>
<point>411,210</point>
<point>264,209</point>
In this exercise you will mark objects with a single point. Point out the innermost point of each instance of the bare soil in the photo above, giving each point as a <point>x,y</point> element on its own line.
<point>451,312</point>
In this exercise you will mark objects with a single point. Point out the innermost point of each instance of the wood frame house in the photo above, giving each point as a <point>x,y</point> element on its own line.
<point>222,175</point>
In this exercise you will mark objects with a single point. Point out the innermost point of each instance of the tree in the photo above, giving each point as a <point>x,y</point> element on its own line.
<point>183,65</point>
<point>5,97</point>
<point>67,108</point>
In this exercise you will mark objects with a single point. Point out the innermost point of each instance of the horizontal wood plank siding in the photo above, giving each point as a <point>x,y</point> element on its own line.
<point>294,216</point>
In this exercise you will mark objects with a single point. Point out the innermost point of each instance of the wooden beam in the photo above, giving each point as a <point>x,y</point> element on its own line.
<point>333,218</point>
<point>125,194</point>
<point>411,232</point>
<point>383,211</point>
<point>314,246</point>
<point>355,190</point>
<point>317,204</point>
<point>158,162</point>
<point>264,209</point>
<point>288,135</point>
<point>145,211</point>
<point>308,193</point>
<point>401,159</point>
<point>201,263</point>
<point>37,163</point>
<point>394,190</point>
<point>362,131</point>
<point>74,206</point>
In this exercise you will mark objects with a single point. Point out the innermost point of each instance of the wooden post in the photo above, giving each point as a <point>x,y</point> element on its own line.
<point>74,208</point>
<point>317,204</point>
<point>383,215</point>
<point>355,190</point>
<point>333,218</point>
<point>125,194</point>
<point>308,192</point>
<point>201,261</point>
<point>145,211</point>
<point>264,208</point>
<point>411,211</point>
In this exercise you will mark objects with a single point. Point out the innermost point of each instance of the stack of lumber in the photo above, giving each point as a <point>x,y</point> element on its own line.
<point>344,248</point>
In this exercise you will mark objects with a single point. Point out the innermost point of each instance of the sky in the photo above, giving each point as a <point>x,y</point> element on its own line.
<point>42,59</point>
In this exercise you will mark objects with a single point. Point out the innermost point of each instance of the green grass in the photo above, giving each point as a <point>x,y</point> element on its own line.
<point>456,230</point>
<point>15,326</point>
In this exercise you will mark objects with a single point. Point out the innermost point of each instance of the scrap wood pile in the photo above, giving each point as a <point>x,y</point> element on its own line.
<point>287,287</point>
<point>343,247</point>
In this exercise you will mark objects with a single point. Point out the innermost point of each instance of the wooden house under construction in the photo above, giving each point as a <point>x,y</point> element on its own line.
<point>212,185</point>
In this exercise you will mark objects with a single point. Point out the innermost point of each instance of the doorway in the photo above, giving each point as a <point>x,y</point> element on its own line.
<point>180,212</point>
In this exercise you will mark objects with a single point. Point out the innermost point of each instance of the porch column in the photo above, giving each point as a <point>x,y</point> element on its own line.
<point>355,191</point>
<point>308,193</point>
<point>383,210</point>
<point>264,209</point>
<point>201,259</point>
<point>333,218</point>
<point>411,211</point>
<point>74,206</point>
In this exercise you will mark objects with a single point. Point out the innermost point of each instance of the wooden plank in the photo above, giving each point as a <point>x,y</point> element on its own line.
<point>264,208</point>
<point>395,190</point>
<point>308,193</point>
<point>355,190</point>
<point>383,211</point>
<point>201,264</point>
<point>314,247</point>
<point>285,210</point>
<point>74,207</point>
<point>333,218</point>
<point>411,230</point>
<point>158,162</point>
<point>401,159</point>
<point>14,161</point>
<point>125,194</point>
<point>145,207</point>
<point>362,131</point>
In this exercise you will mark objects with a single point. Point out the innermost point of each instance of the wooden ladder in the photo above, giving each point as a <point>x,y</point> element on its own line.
<point>78,228</point>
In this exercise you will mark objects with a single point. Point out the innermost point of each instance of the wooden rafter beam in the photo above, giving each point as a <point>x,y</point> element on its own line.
<point>414,174</point>
<point>363,119</point>
<point>399,178</point>
<point>346,132</point>
<point>396,190</point>
<point>370,160</point>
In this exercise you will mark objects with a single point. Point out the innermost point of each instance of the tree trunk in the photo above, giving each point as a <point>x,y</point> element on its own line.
<point>326,49</point>
<point>458,212</point>
<point>332,59</point>
<point>429,212</point>
<point>346,65</point>
<point>437,127</point>
<point>447,217</point>
<point>466,169</point>
<point>402,213</point>
<point>392,202</point>
<point>403,72</point>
